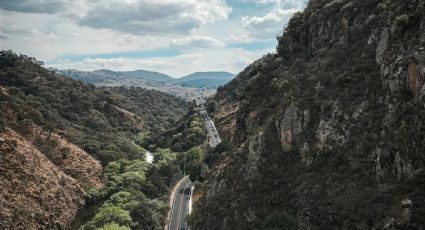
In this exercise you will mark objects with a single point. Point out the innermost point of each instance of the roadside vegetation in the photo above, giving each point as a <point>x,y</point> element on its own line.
<point>116,126</point>
<point>136,194</point>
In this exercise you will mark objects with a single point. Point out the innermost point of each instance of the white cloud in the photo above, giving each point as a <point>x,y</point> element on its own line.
<point>232,60</point>
<point>139,17</point>
<point>196,42</point>
<point>71,30</point>
<point>272,23</point>
<point>244,38</point>
<point>48,37</point>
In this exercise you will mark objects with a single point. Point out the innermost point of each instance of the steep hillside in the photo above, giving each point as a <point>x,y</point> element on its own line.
<point>55,135</point>
<point>160,111</point>
<point>104,76</point>
<point>35,193</point>
<point>328,133</point>
<point>99,120</point>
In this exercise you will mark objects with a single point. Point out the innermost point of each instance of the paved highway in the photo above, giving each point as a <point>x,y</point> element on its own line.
<point>183,195</point>
<point>180,206</point>
<point>213,136</point>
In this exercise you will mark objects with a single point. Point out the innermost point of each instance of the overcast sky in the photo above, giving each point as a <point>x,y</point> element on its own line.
<point>176,37</point>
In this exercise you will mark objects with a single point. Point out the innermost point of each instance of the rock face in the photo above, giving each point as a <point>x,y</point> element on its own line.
<point>330,129</point>
<point>35,193</point>
<point>43,188</point>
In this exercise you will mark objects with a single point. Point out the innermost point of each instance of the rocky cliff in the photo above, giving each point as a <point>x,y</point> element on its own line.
<point>36,193</point>
<point>327,133</point>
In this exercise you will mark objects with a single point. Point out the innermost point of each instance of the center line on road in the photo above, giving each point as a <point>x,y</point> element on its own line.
<point>180,208</point>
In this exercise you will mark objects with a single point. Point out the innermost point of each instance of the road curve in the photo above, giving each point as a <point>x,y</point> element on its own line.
<point>213,136</point>
<point>182,197</point>
<point>180,206</point>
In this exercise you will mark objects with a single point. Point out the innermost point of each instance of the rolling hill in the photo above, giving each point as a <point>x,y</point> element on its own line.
<point>147,75</point>
<point>210,80</point>
<point>205,79</point>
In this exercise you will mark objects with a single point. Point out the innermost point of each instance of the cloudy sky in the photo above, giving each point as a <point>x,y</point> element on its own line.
<point>176,37</point>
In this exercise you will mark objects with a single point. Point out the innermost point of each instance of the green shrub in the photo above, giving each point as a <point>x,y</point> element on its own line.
<point>146,218</point>
<point>95,195</point>
<point>211,106</point>
<point>137,166</point>
<point>113,169</point>
<point>126,200</point>
<point>195,154</point>
<point>113,226</point>
<point>108,215</point>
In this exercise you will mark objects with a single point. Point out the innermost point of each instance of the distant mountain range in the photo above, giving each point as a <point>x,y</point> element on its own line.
<point>147,75</point>
<point>205,79</point>
<point>210,80</point>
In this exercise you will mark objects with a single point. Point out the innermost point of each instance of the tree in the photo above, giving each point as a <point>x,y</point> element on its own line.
<point>164,155</point>
<point>137,166</point>
<point>195,136</point>
<point>211,106</point>
<point>113,169</point>
<point>108,215</point>
<point>132,180</point>
<point>126,200</point>
<point>193,163</point>
<point>113,226</point>
<point>145,218</point>
<point>195,154</point>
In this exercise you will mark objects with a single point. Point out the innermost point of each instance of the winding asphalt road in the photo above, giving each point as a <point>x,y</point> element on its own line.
<point>212,131</point>
<point>182,197</point>
<point>180,207</point>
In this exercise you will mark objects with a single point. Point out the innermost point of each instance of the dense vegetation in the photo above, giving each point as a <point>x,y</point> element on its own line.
<point>115,125</point>
<point>189,132</point>
<point>136,193</point>
<point>187,141</point>
<point>101,121</point>
<point>160,111</point>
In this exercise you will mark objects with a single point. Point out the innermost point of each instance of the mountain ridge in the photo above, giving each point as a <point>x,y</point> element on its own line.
<point>327,133</point>
<point>208,79</point>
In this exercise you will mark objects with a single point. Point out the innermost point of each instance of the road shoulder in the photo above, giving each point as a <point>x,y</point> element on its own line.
<point>172,200</point>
